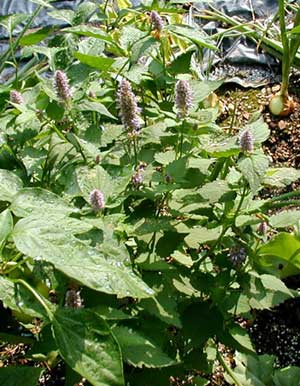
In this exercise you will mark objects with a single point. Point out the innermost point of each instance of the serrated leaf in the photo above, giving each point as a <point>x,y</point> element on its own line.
<point>46,239</point>
<point>253,169</point>
<point>202,235</point>
<point>259,129</point>
<point>139,351</point>
<point>10,184</point>
<point>29,200</point>
<point>280,177</point>
<point>166,157</point>
<point>202,89</point>
<point>90,31</point>
<point>88,347</point>
<point>11,376</point>
<point>285,219</point>
<point>95,106</point>
<point>213,191</point>
<point>194,35</point>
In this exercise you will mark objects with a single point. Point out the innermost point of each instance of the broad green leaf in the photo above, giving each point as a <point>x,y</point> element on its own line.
<point>139,351</point>
<point>102,64</point>
<point>181,64</point>
<point>17,298</point>
<point>6,225</point>
<point>240,335</point>
<point>90,31</point>
<point>10,184</point>
<point>166,157</point>
<point>95,106</point>
<point>36,37</point>
<point>201,163</point>
<point>46,239</point>
<point>284,246</point>
<point>66,15</point>
<point>182,258</point>
<point>202,235</point>
<point>88,347</point>
<point>194,35</point>
<point>259,129</point>
<point>252,370</point>
<point>14,375</point>
<point>213,191</point>
<point>288,376</point>
<point>29,200</point>
<point>202,89</point>
<point>280,177</point>
<point>96,178</point>
<point>142,47</point>
<point>253,169</point>
<point>285,219</point>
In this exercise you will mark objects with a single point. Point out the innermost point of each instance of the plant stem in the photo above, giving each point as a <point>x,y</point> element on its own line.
<point>37,296</point>
<point>14,46</point>
<point>286,60</point>
<point>228,369</point>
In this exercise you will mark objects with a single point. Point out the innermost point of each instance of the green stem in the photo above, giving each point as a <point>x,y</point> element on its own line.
<point>286,60</point>
<point>14,46</point>
<point>228,369</point>
<point>37,296</point>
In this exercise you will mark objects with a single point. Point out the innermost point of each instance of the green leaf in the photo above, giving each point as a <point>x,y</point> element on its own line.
<point>280,177</point>
<point>17,298</point>
<point>202,89</point>
<point>240,335</point>
<point>12,375</point>
<point>253,169</point>
<point>288,376</point>
<point>142,47</point>
<point>183,259</point>
<point>28,200</point>
<point>36,37</point>
<point>213,191</point>
<point>88,347</point>
<point>252,371</point>
<point>90,31</point>
<point>181,64</point>
<point>102,64</point>
<point>95,106</point>
<point>10,184</point>
<point>259,129</point>
<point>285,219</point>
<point>95,178</point>
<point>49,240</point>
<point>139,351</point>
<point>202,235</point>
<point>6,225</point>
<point>194,35</point>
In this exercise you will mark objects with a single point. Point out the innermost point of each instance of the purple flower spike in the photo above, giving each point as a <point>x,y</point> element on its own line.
<point>247,141</point>
<point>137,179</point>
<point>129,109</point>
<point>156,21</point>
<point>183,98</point>
<point>16,97</point>
<point>237,255</point>
<point>73,299</point>
<point>97,200</point>
<point>262,228</point>
<point>61,86</point>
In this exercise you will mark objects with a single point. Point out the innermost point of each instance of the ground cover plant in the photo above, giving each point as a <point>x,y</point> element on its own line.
<point>134,240</point>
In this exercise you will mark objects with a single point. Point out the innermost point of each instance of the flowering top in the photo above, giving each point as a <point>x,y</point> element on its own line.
<point>129,109</point>
<point>61,85</point>
<point>247,141</point>
<point>156,21</point>
<point>97,200</point>
<point>16,97</point>
<point>183,98</point>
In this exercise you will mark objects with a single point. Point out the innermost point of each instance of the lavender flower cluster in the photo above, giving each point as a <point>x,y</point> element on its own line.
<point>247,141</point>
<point>61,86</point>
<point>97,200</point>
<point>156,21</point>
<point>237,255</point>
<point>129,109</point>
<point>16,97</point>
<point>183,98</point>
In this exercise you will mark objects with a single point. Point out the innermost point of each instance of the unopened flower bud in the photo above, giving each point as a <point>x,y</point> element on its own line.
<point>73,299</point>
<point>183,98</point>
<point>156,21</point>
<point>97,200</point>
<point>16,97</point>
<point>61,86</point>
<point>129,109</point>
<point>262,228</point>
<point>237,255</point>
<point>137,179</point>
<point>247,141</point>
